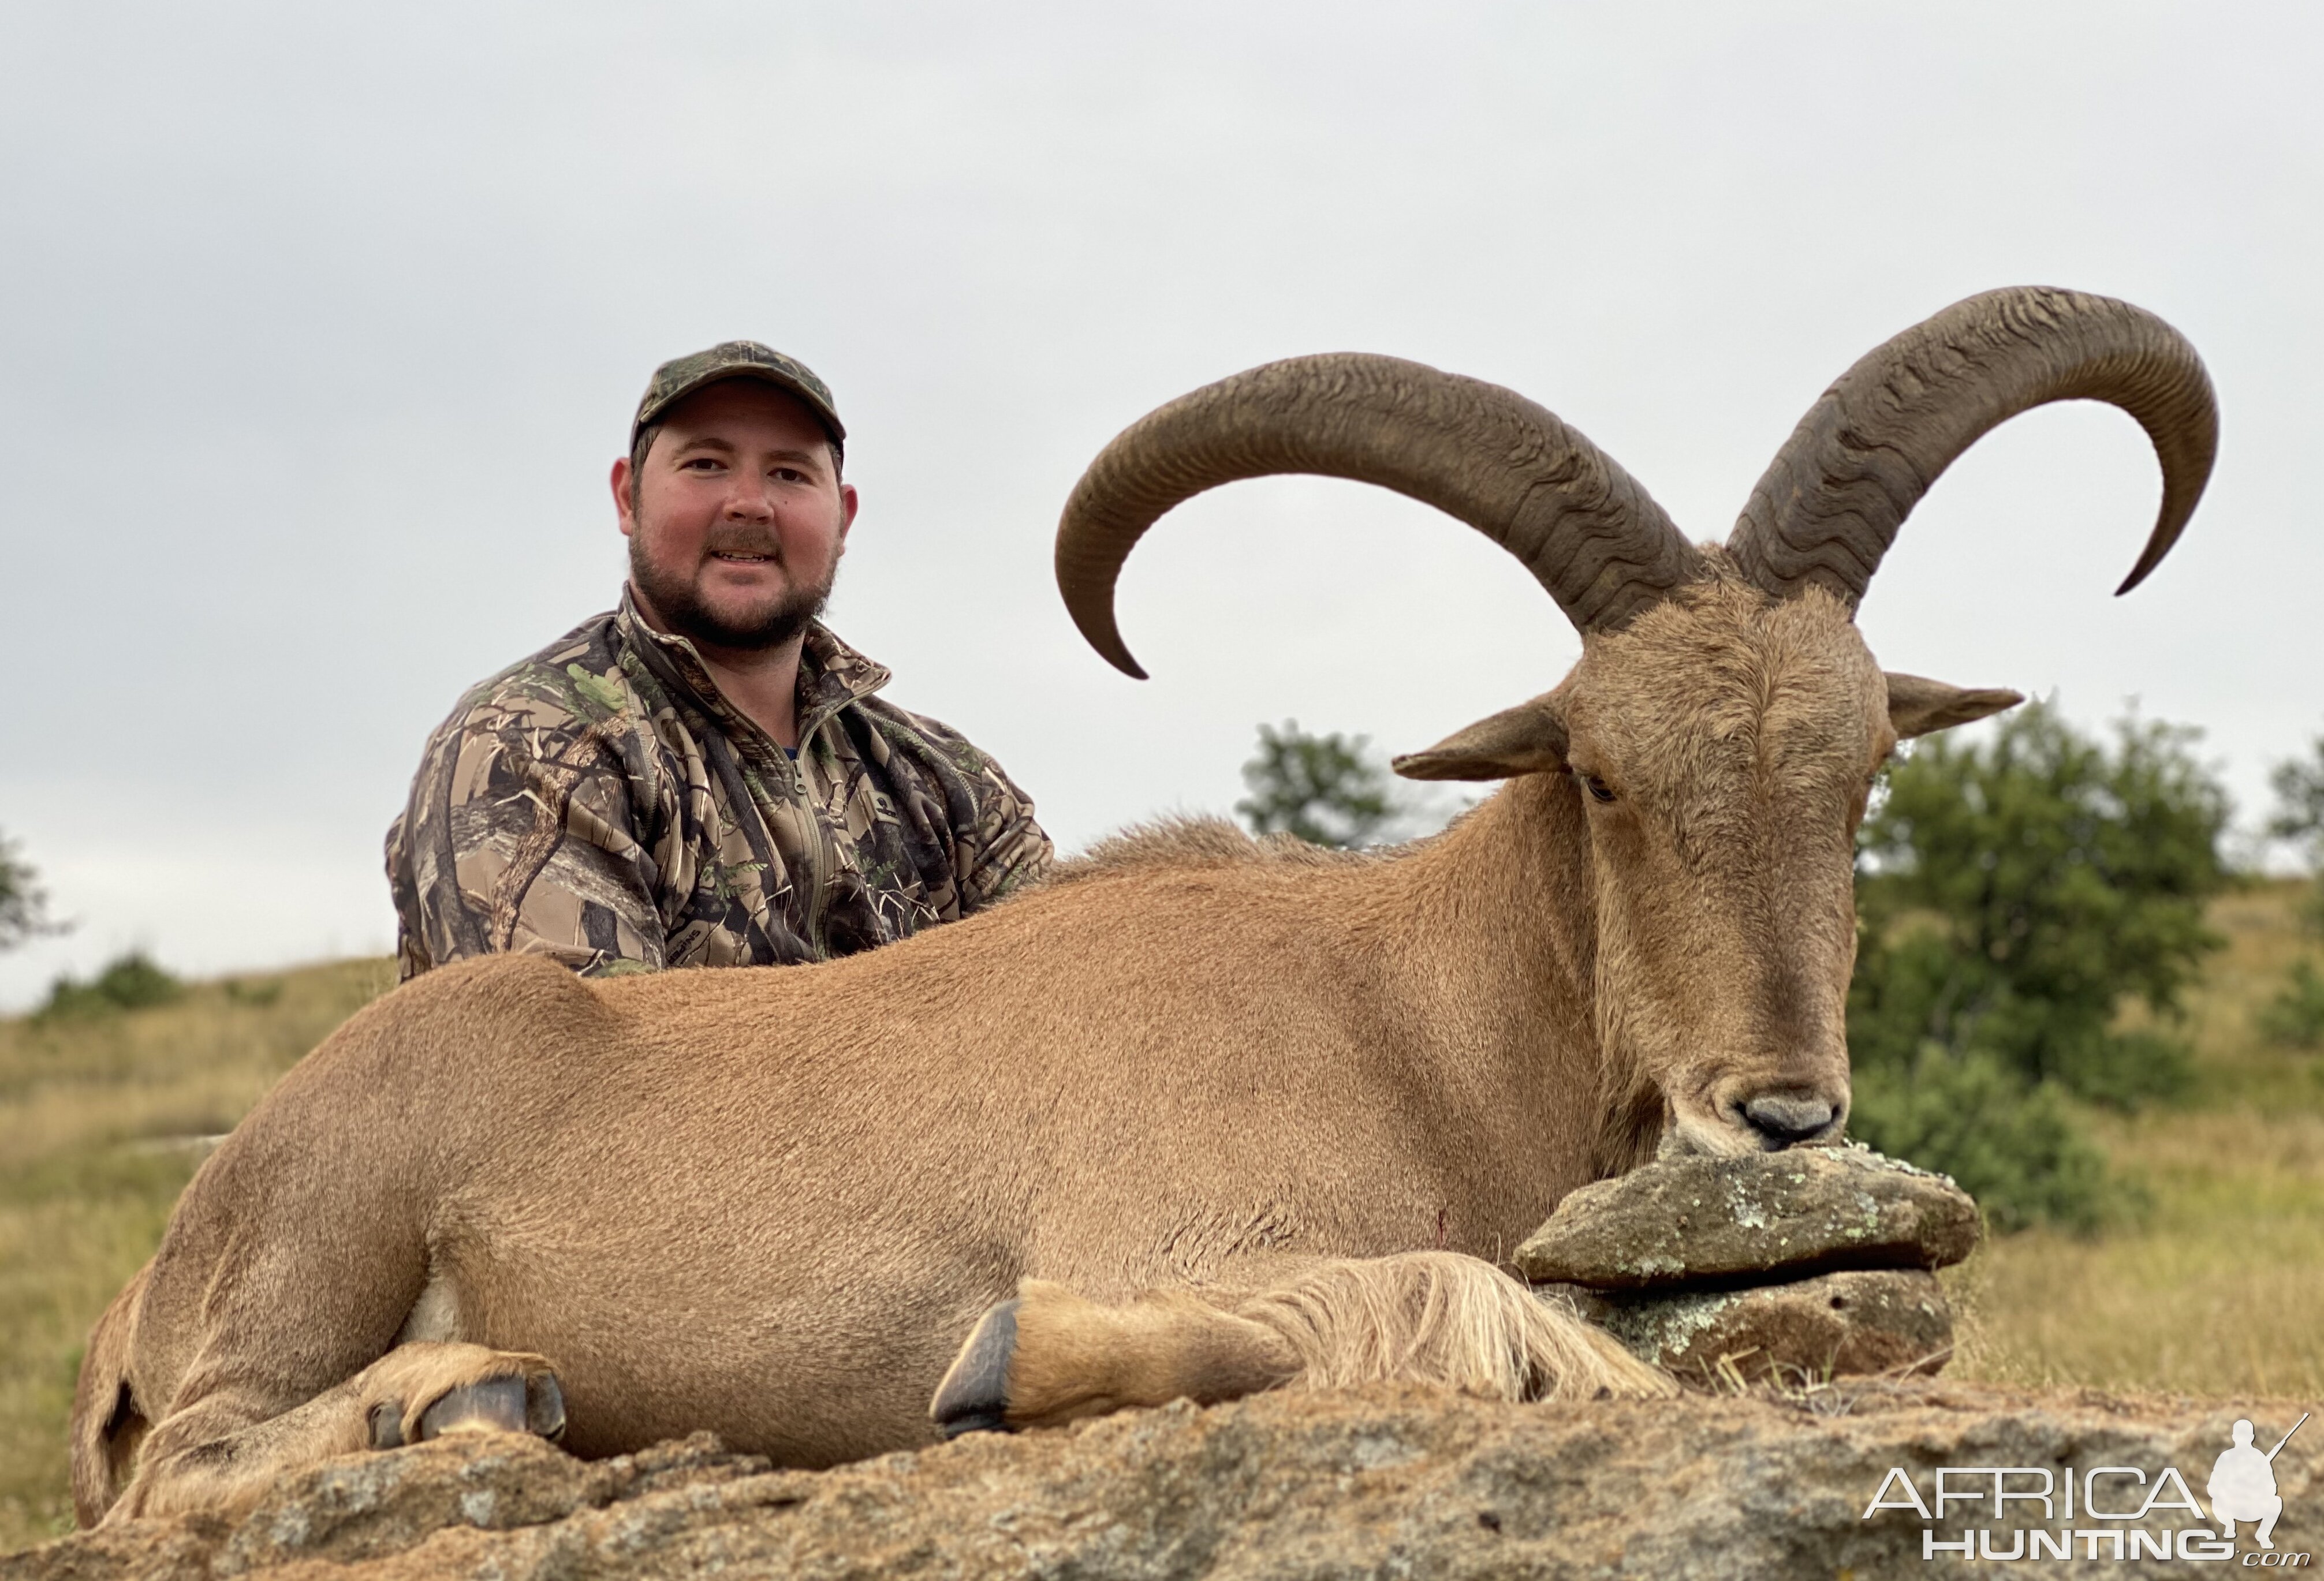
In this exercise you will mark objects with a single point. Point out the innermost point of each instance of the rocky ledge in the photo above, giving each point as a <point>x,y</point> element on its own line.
<point>1380,1482</point>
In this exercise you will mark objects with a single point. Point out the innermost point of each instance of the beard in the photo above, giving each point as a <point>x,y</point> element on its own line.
<point>770,625</point>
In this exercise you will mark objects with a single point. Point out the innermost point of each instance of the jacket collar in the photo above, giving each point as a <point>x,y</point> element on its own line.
<point>831,675</point>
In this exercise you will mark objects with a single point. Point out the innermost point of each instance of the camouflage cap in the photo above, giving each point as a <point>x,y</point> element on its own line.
<point>680,377</point>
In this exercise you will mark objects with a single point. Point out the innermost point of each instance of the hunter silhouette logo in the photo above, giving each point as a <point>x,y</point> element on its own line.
<point>2243,1484</point>
<point>2107,1512</point>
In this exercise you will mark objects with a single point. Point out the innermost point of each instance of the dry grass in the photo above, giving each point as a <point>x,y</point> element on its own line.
<point>97,1119</point>
<point>2217,1291</point>
<point>2217,1294</point>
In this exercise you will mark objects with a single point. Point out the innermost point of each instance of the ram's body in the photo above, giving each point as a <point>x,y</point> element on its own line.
<point>1307,1100</point>
<point>771,1202</point>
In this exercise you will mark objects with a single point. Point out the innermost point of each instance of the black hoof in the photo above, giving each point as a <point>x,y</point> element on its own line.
<point>496,1405</point>
<point>387,1425</point>
<point>544,1406</point>
<point>973,1397</point>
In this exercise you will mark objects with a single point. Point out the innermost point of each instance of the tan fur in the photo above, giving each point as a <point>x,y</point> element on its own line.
<point>109,1428</point>
<point>1182,841</point>
<point>773,1203</point>
<point>1440,1318</point>
<point>1422,1317</point>
<point>404,1383</point>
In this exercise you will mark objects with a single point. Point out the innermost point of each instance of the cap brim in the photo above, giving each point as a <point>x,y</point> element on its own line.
<point>758,370</point>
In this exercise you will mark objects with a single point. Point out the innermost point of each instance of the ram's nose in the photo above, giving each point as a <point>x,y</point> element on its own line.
<point>1787,1119</point>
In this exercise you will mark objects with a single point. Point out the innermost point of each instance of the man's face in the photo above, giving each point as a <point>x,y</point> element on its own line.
<point>740,518</point>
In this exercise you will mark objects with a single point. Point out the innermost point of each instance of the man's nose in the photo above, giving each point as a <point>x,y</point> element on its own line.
<point>750,501</point>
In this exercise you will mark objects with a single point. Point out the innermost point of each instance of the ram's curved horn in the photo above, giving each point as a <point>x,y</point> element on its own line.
<point>1580,523</point>
<point>1830,503</point>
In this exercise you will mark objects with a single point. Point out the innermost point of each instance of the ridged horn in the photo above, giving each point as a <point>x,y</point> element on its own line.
<point>1484,455</point>
<point>1831,502</point>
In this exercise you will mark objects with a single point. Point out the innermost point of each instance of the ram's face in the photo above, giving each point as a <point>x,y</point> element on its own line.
<point>1721,750</point>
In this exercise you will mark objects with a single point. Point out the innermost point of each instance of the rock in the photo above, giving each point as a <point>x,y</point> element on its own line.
<point>1378,1481</point>
<point>1826,1326</point>
<point>1689,1220</point>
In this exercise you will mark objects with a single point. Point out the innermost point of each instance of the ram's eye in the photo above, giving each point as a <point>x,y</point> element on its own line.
<point>1599,791</point>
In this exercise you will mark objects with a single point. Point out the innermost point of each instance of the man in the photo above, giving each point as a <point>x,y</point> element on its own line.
<point>702,777</point>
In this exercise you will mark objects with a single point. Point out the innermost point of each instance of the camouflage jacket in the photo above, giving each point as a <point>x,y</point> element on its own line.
<point>602,804</point>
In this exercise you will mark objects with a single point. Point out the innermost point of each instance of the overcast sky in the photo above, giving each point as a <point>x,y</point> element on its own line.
<point>321,325</point>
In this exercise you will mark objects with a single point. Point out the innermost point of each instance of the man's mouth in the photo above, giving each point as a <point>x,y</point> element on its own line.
<point>739,557</point>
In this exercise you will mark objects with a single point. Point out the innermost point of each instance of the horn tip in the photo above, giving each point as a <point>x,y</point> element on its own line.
<point>2147,562</point>
<point>1115,652</point>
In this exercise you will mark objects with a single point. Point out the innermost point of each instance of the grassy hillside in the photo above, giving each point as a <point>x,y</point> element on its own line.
<point>2218,1286</point>
<point>101,1120</point>
<point>2214,1289</point>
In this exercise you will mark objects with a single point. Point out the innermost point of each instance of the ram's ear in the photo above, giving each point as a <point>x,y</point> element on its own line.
<point>1917,705</point>
<point>1530,738</point>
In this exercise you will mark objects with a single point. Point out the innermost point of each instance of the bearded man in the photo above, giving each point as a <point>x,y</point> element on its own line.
<point>703,775</point>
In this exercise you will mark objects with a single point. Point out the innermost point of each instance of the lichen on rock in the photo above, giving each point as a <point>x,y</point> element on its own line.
<point>1802,1264</point>
<point>1782,1215</point>
<point>1806,1330</point>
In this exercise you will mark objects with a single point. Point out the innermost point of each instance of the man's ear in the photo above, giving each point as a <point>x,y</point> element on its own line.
<point>1530,738</point>
<point>621,481</point>
<point>1917,705</point>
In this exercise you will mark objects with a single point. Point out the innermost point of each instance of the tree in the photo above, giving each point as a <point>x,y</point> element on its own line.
<point>1326,789</point>
<point>2299,815</point>
<point>2296,1015</point>
<point>2299,819</point>
<point>24,903</point>
<point>2013,895</point>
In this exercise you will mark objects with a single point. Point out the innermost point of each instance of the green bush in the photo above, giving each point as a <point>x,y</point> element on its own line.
<point>2014,893</point>
<point>2015,1148</point>
<point>2295,1016</point>
<point>132,982</point>
<point>258,992</point>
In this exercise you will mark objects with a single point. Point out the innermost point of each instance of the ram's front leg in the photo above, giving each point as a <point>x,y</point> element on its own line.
<point>220,1452</point>
<point>1436,1317</point>
<point>1051,1357</point>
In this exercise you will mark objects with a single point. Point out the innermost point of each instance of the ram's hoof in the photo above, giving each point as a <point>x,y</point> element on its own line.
<point>386,1422</point>
<point>973,1397</point>
<point>534,1405</point>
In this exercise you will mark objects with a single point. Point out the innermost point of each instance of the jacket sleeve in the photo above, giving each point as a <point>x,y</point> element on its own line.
<point>520,837</point>
<point>1006,849</point>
